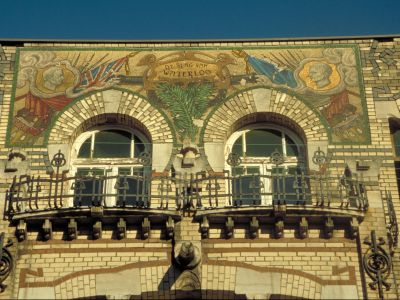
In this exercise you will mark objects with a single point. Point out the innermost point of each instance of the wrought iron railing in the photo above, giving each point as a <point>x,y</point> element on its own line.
<point>176,191</point>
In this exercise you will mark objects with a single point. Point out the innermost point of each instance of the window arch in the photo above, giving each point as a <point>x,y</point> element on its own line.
<point>111,160</point>
<point>258,176</point>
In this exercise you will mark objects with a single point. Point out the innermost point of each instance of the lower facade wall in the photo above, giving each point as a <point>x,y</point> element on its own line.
<point>312,268</point>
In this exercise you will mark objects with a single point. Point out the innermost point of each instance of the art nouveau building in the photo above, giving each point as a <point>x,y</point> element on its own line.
<point>204,170</point>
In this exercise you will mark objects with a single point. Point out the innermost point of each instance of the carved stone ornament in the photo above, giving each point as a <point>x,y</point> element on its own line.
<point>187,255</point>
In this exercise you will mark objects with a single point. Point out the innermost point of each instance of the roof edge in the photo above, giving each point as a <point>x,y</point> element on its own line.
<point>5,41</point>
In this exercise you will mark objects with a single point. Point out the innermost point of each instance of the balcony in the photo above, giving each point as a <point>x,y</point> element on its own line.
<point>215,198</point>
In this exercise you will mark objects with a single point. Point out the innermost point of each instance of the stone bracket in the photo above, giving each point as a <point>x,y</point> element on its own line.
<point>72,229</point>
<point>97,230</point>
<point>229,226</point>
<point>21,231</point>
<point>279,229</point>
<point>303,228</point>
<point>328,227</point>
<point>205,228</point>
<point>145,228</point>
<point>121,229</point>
<point>170,227</point>
<point>254,227</point>
<point>47,230</point>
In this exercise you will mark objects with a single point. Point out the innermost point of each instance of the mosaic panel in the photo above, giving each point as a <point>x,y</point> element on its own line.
<point>187,84</point>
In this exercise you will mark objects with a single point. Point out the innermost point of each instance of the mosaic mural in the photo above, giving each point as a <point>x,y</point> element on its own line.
<point>187,85</point>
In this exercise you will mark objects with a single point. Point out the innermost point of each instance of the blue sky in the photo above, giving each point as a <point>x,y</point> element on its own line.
<point>183,20</point>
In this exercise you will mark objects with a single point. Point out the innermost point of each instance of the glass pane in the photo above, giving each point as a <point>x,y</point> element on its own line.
<point>132,187</point>
<point>84,150</point>
<point>236,171</point>
<point>112,143</point>
<point>396,140</point>
<point>291,147</point>
<point>263,142</point>
<point>139,146</point>
<point>238,146</point>
<point>287,185</point>
<point>246,190</point>
<point>89,190</point>
<point>253,170</point>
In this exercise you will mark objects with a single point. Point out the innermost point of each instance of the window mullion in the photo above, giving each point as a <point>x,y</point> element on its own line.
<point>132,146</point>
<point>283,144</point>
<point>92,141</point>
<point>244,144</point>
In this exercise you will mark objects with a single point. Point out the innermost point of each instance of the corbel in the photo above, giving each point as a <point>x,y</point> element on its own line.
<point>205,228</point>
<point>145,228</point>
<point>353,228</point>
<point>279,228</point>
<point>229,226</point>
<point>97,230</point>
<point>72,229</point>
<point>121,229</point>
<point>21,231</point>
<point>328,227</point>
<point>47,230</point>
<point>254,227</point>
<point>303,228</point>
<point>279,210</point>
<point>170,227</point>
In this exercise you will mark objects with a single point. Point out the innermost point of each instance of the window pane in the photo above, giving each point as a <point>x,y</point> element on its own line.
<point>396,140</point>
<point>132,188</point>
<point>89,191</point>
<point>139,146</point>
<point>238,146</point>
<point>253,170</point>
<point>263,142</point>
<point>291,147</point>
<point>112,143</point>
<point>246,190</point>
<point>236,171</point>
<point>84,150</point>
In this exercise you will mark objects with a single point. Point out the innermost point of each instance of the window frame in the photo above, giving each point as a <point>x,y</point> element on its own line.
<point>263,162</point>
<point>110,166</point>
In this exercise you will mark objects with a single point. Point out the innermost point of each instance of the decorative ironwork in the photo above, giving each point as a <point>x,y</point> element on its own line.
<point>392,226</point>
<point>145,158</point>
<point>277,158</point>
<point>6,261</point>
<point>319,157</point>
<point>234,159</point>
<point>201,190</point>
<point>377,264</point>
<point>58,160</point>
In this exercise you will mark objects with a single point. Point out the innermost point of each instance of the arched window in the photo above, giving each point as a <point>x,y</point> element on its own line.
<point>268,160</point>
<point>109,161</point>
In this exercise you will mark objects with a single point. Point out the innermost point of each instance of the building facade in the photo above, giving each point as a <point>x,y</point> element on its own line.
<point>203,170</point>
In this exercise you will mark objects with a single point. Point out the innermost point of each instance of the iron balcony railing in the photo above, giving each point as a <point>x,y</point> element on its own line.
<point>196,191</point>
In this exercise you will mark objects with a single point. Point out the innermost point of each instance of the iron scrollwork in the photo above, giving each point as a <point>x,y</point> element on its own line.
<point>377,264</point>
<point>145,158</point>
<point>392,226</point>
<point>6,261</point>
<point>319,157</point>
<point>234,159</point>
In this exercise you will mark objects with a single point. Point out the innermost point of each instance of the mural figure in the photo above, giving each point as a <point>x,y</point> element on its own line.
<point>51,85</point>
<point>323,82</point>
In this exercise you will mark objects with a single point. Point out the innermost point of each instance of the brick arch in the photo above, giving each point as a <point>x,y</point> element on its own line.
<point>262,100</point>
<point>262,105</point>
<point>110,102</point>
